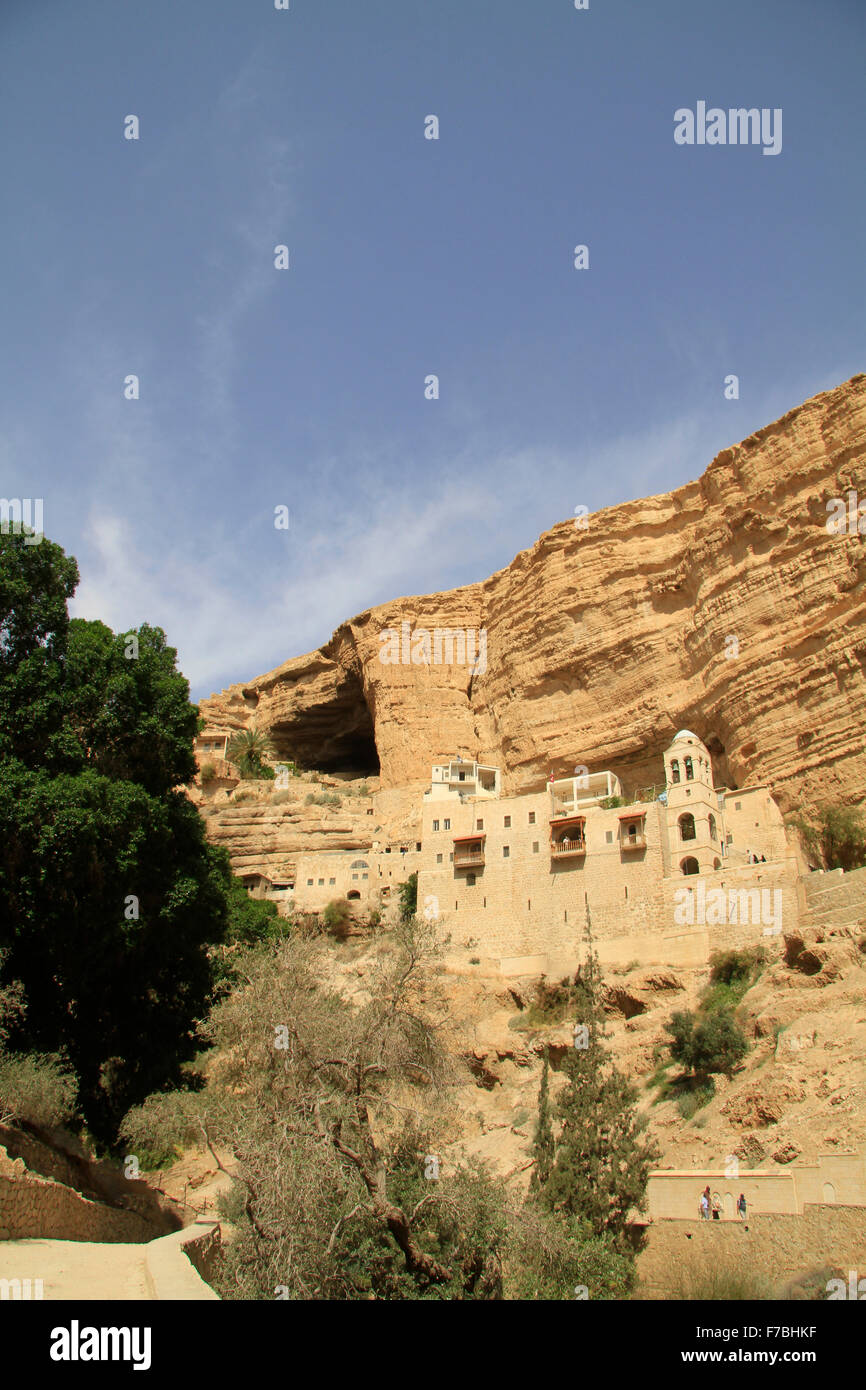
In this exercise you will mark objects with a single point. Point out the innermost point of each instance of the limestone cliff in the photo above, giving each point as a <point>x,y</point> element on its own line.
<point>724,606</point>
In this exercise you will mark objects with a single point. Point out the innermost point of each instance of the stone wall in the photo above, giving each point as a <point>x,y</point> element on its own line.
<point>177,1266</point>
<point>778,1247</point>
<point>32,1206</point>
<point>834,1178</point>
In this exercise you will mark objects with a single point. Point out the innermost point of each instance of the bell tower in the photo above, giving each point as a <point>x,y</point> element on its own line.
<point>696,829</point>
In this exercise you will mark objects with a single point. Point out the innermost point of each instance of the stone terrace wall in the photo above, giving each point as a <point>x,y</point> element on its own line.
<point>779,1247</point>
<point>31,1206</point>
<point>834,1178</point>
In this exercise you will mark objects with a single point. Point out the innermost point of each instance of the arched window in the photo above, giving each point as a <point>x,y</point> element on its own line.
<point>360,864</point>
<point>689,769</point>
<point>717,863</point>
<point>675,769</point>
<point>690,866</point>
<point>353,894</point>
<point>712,826</point>
<point>687,826</point>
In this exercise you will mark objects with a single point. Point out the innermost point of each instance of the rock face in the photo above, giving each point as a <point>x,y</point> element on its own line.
<point>726,607</point>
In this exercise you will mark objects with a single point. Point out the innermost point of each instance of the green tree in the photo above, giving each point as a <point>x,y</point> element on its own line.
<point>36,582</point>
<point>543,1147</point>
<point>109,892</point>
<point>714,1043</point>
<point>408,892</point>
<point>835,835</point>
<point>250,922</point>
<point>602,1158</point>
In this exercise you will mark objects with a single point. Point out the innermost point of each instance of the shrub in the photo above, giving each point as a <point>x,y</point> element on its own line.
<point>165,1124</point>
<point>728,966</point>
<point>37,1089</point>
<point>689,1102</point>
<point>552,1002</point>
<point>732,973</point>
<point>207,772</point>
<point>280,798</point>
<point>336,918</point>
<point>713,1043</point>
<point>713,1278</point>
<point>548,1258</point>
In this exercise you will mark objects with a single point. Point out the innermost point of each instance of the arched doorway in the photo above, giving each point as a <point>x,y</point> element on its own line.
<point>690,866</point>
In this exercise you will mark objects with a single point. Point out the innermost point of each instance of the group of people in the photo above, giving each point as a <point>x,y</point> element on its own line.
<point>713,1203</point>
<point>753,858</point>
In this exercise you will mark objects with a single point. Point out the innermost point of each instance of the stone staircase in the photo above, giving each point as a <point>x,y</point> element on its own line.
<point>836,899</point>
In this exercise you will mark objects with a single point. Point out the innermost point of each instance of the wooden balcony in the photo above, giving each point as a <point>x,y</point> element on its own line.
<point>633,842</point>
<point>564,849</point>
<point>469,853</point>
<point>632,830</point>
<point>567,837</point>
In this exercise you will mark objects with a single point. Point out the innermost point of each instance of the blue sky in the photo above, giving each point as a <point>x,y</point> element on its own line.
<point>305,387</point>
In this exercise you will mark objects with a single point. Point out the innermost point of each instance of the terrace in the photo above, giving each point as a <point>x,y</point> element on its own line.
<point>569,794</point>
<point>462,780</point>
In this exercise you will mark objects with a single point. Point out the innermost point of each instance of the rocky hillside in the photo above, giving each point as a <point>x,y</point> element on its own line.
<point>602,642</point>
<point>800,1091</point>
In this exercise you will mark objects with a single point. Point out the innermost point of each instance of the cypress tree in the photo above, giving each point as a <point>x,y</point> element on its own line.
<point>543,1146</point>
<point>601,1162</point>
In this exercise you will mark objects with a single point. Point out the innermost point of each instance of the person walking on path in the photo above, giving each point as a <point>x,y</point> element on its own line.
<point>705,1204</point>
<point>741,1206</point>
<point>717,1207</point>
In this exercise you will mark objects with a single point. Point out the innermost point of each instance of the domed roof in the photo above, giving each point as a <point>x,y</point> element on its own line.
<point>686,736</point>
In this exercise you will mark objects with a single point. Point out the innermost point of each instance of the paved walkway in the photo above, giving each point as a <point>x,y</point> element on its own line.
<point>77,1269</point>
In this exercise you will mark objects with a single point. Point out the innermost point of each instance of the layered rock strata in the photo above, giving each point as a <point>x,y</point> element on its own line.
<point>726,606</point>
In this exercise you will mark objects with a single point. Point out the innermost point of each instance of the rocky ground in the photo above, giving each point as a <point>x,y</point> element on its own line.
<point>800,1091</point>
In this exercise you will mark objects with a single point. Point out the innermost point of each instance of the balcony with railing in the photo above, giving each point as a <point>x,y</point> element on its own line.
<point>469,852</point>
<point>567,837</point>
<point>632,831</point>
